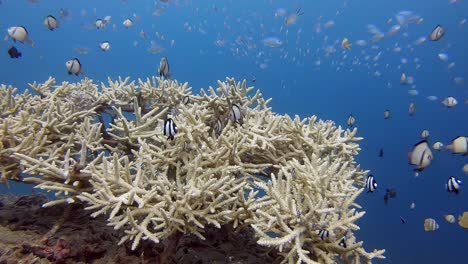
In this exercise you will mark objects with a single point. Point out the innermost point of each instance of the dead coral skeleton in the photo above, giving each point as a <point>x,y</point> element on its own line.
<point>103,145</point>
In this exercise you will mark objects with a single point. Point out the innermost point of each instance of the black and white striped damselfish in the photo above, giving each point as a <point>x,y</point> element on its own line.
<point>170,128</point>
<point>371,183</point>
<point>323,234</point>
<point>14,53</point>
<point>218,127</point>
<point>453,185</point>
<point>343,242</point>
<point>236,114</point>
<point>390,193</point>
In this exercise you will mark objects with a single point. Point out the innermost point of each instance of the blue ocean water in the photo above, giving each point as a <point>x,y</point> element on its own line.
<point>215,39</point>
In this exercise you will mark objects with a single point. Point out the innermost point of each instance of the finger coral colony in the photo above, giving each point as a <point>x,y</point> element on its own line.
<point>292,181</point>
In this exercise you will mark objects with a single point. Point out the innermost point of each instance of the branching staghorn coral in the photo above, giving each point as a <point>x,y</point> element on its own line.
<point>287,178</point>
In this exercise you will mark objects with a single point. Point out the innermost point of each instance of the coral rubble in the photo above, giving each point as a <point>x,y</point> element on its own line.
<point>285,179</point>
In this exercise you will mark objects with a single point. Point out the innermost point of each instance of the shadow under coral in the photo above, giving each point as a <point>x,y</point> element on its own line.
<point>67,234</point>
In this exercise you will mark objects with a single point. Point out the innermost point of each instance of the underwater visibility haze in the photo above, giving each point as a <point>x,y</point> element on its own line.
<point>395,70</point>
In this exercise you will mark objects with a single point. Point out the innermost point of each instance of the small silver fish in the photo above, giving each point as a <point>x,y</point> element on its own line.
<point>351,121</point>
<point>386,114</point>
<point>51,22</point>
<point>371,183</point>
<point>437,33</point>
<point>164,68</point>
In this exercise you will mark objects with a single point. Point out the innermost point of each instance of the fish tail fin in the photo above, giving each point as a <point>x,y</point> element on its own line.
<point>83,73</point>
<point>30,41</point>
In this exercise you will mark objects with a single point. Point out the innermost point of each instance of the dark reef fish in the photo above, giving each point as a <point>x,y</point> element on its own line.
<point>14,53</point>
<point>390,193</point>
